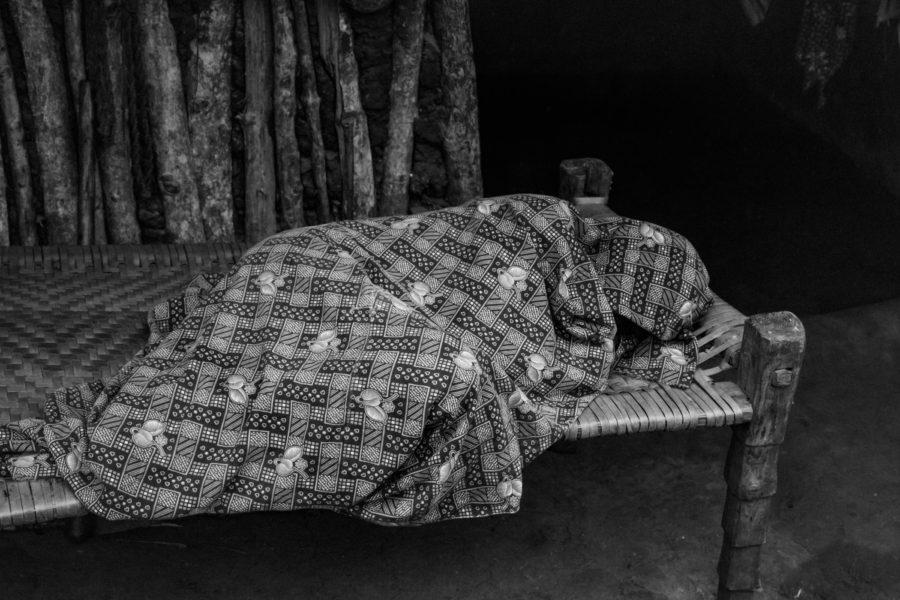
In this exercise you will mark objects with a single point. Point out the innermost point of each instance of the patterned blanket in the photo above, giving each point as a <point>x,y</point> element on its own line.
<point>402,370</point>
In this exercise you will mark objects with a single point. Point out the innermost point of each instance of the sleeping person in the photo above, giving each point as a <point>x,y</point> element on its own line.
<point>402,369</point>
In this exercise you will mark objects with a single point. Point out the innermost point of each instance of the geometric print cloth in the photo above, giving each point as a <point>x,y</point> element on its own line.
<point>402,370</point>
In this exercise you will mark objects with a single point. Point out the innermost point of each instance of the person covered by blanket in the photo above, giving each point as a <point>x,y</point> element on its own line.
<point>403,369</point>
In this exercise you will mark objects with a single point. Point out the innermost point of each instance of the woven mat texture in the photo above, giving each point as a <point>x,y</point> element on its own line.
<point>68,315</point>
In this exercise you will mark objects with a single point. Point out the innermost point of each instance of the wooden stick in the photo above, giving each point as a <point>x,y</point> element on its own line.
<point>86,181</point>
<point>209,115</point>
<point>100,235</point>
<point>769,364</point>
<point>22,206</point>
<point>168,118</point>
<point>4,204</point>
<point>462,147</point>
<point>84,116</point>
<point>310,98</point>
<point>356,151</point>
<point>259,165</point>
<point>106,67</point>
<point>409,27</point>
<point>139,130</point>
<point>52,116</point>
<point>287,151</point>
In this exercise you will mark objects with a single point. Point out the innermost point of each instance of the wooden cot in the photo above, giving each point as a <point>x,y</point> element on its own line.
<point>70,314</point>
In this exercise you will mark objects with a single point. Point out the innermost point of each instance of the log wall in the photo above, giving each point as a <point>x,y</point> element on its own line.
<point>127,121</point>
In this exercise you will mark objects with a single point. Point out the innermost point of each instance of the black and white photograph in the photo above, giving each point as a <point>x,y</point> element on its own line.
<point>450,299</point>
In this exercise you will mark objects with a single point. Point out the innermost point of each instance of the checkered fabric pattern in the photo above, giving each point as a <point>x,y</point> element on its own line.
<point>402,370</point>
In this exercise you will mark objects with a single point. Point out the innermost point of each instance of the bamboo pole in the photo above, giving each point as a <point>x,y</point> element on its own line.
<point>356,158</point>
<point>52,120</point>
<point>287,151</point>
<point>22,206</point>
<point>258,150</point>
<point>168,118</point>
<point>209,114</point>
<point>462,148</point>
<point>409,26</point>
<point>311,102</point>
<point>107,67</point>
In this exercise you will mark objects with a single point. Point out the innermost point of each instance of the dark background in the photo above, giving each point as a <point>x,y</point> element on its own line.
<point>704,121</point>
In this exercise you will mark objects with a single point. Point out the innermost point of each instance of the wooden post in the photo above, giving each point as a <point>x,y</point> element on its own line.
<point>287,151</point>
<point>22,203</point>
<point>409,26</point>
<point>107,71</point>
<point>769,365</point>
<point>259,162</point>
<point>4,204</point>
<point>311,103</point>
<point>88,195</point>
<point>462,147</point>
<point>585,177</point>
<point>87,192</point>
<point>356,150</point>
<point>209,115</point>
<point>168,117</point>
<point>53,129</point>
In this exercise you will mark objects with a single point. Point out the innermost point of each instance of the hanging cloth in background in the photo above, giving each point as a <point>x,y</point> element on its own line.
<point>755,10</point>
<point>825,41</point>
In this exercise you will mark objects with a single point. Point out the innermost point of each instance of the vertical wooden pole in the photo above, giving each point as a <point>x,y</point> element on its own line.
<point>769,365</point>
<point>358,177</point>
<point>287,151</point>
<point>88,195</point>
<point>4,204</point>
<point>311,103</point>
<point>258,150</point>
<point>107,70</point>
<point>22,211</point>
<point>86,180</point>
<point>52,114</point>
<point>462,147</point>
<point>209,115</point>
<point>168,118</point>
<point>409,26</point>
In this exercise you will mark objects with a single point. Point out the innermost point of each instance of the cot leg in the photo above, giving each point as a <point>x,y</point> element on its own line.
<point>80,528</point>
<point>770,359</point>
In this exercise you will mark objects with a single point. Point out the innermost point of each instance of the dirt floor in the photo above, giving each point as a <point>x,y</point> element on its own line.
<point>626,517</point>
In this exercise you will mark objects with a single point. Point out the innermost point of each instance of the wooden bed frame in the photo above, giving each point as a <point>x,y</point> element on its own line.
<point>51,336</point>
